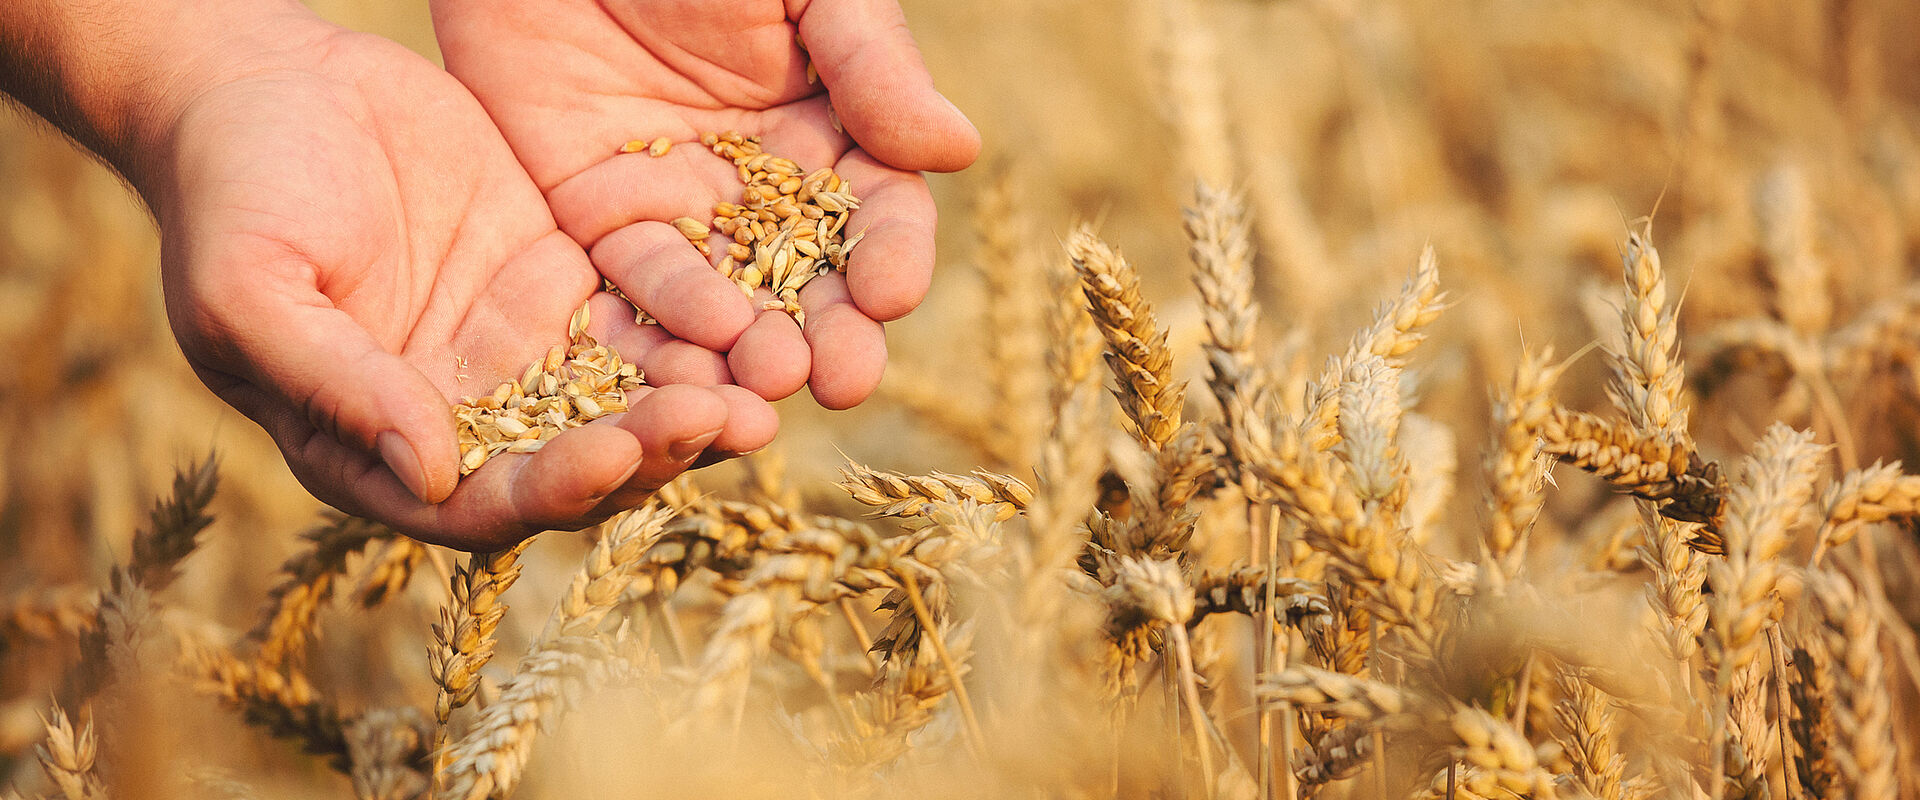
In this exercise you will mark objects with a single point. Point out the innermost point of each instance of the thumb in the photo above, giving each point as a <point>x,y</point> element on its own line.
<point>321,371</point>
<point>880,88</point>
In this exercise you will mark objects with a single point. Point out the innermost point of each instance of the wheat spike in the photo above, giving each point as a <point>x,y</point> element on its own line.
<point>1515,470</point>
<point>464,636</point>
<point>1137,350</point>
<point>386,750</point>
<point>1864,754</point>
<point>174,526</point>
<point>1218,241</point>
<point>489,759</point>
<point>67,755</point>
<point>285,704</point>
<point>893,494</point>
<point>1015,290</point>
<point>607,571</point>
<point>307,582</point>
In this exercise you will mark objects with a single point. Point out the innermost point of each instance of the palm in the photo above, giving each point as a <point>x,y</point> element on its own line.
<point>570,81</point>
<point>357,209</point>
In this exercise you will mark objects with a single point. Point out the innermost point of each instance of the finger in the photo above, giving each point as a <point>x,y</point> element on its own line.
<point>772,359</point>
<point>674,425</point>
<point>317,368</point>
<point>656,267</point>
<point>630,187</point>
<point>849,348</point>
<point>751,425</point>
<point>891,268</point>
<point>881,91</point>
<point>663,358</point>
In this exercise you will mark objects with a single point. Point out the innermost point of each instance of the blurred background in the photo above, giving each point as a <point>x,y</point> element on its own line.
<point>1778,139</point>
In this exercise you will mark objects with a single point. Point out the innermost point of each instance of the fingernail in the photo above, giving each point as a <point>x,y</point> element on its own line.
<point>689,449</point>
<point>404,462</point>
<point>615,484</point>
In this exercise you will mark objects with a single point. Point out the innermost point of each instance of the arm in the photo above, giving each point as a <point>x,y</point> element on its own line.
<point>341,226</point>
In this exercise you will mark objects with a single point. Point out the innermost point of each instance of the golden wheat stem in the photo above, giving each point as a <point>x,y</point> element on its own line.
<point>860,635</point>
<point>1777,646</point>
<point>1190,689</point>
<point>976,742</point>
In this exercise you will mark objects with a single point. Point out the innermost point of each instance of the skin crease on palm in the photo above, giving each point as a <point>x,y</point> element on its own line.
<point>348,244</point>
<point>569,81</point>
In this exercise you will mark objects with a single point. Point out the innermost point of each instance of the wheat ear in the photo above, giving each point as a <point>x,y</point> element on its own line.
<point>307,582</point>
<point>67,757</point>
<point>464,636</point>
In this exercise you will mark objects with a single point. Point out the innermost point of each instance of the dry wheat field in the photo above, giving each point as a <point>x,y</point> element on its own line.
<point>1317,399</point>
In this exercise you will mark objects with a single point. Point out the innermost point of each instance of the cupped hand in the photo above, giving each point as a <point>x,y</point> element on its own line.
<point>570,81</point>
<point>349,246</point>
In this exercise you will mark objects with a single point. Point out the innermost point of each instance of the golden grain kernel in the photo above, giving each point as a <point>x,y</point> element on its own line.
<point>659,147</point>
<point>739,252</point>
<point>691,228</point>
<point>634,146</point>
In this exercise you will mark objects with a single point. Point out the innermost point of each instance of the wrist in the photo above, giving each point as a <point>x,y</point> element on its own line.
<point>116,76</point>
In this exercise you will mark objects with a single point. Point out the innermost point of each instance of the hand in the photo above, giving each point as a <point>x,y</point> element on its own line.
<point>570,81</point>
<point>348,245</point>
